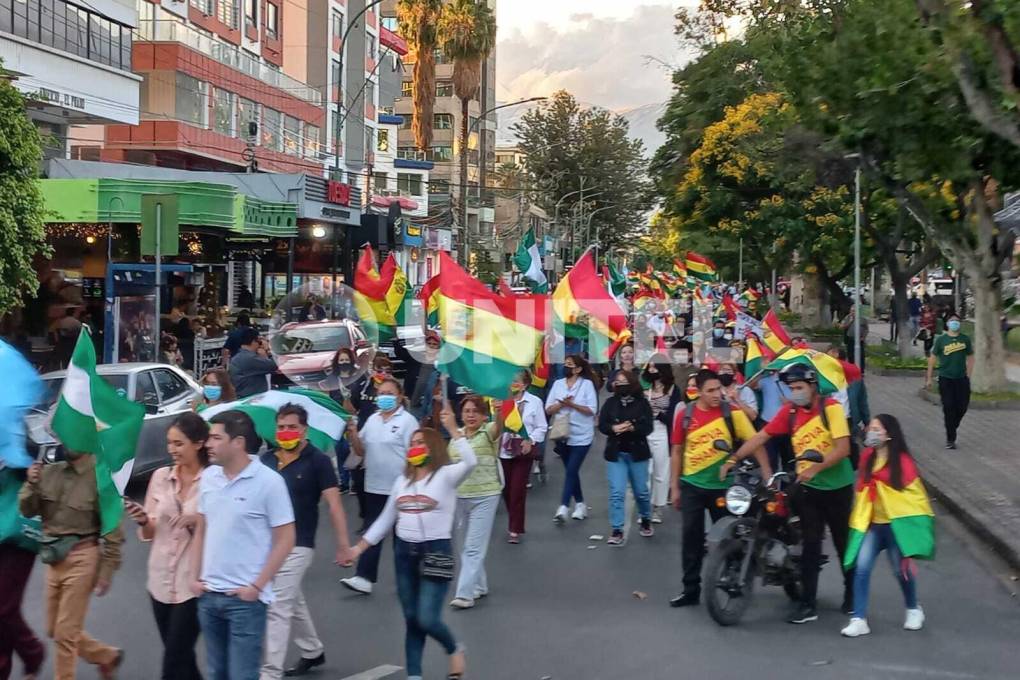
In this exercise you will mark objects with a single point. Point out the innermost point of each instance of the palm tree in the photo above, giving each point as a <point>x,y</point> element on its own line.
<point>419,25</point>
<point>467,34</point>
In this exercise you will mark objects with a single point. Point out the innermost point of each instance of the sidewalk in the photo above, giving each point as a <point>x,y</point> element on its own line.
<point>980,481</point>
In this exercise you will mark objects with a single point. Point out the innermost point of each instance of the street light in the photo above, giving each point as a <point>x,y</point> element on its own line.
<point>858,359</point>
<point>587,229</point>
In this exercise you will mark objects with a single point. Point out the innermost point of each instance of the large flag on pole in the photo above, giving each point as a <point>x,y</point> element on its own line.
<point>700,267</point>
<point>587,310</point>
<point>529,262</point>
<point>776,338</point>
<point>92,417</point>
<point>379,293</point>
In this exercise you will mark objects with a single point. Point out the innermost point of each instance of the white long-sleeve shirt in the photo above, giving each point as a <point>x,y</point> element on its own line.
<point>533,414</point>
<point>582,426</point>
<point>423,510</point>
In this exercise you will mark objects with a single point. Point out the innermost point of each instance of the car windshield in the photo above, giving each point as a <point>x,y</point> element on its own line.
<point>51,388</point>
<point>311,339</point>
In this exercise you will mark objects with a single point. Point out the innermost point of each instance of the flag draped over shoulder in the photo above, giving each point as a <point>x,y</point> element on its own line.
<point>700,267</point>
<point>326,419</point>
<point>487,338</point>
<point>379,294</point>
<point>529,262</point>
<point>91,417</point>
<point>776,337</point>
<point>908,511</point>
<point>586,310</point>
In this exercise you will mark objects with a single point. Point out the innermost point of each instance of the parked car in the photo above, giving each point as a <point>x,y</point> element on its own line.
<point>165,391</point>
<point>304,351</point>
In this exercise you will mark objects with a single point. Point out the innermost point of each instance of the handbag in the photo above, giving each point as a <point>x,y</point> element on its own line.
<point>559,427</point>
<point>434,565</point>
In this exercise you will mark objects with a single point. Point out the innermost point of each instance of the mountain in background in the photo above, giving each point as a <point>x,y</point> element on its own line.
<point>641,120</point>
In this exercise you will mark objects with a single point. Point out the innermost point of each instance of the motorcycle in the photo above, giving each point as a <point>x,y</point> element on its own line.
<point>761,537</point>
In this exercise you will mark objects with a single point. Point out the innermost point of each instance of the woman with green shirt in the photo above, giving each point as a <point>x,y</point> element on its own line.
<point>477,500</point>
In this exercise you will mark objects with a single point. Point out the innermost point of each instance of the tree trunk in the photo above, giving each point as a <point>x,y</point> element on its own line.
<point>989,374</point>
<point>900,312</point>
<point>811,315</point>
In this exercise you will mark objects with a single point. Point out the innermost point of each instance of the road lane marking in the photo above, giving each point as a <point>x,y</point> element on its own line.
<point>375,673</point>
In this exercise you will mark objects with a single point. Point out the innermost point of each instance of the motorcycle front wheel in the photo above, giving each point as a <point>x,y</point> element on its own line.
<point>727,598</point>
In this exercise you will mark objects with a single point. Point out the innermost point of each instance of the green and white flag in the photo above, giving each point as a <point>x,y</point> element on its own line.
<point>529,262</point>
<point>92,417</point>
<point>326,418</point>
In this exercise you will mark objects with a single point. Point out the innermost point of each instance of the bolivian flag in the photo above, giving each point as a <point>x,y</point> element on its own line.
<point>587,310</point>
<point>429,297</point>
<point>380,293</point>
<point>754,357</point>
<point>540,372</point>
<point>487,338</point>
<point>776,337</point>
<point>907,510</point>
<point>680,269</point>
<point>512,420</point>
<point>831,378</point>
<point>700,267</point>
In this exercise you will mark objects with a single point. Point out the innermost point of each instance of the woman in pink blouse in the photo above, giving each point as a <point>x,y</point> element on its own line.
<point>167,520</point>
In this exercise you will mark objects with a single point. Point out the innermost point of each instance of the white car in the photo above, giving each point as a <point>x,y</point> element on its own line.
<point>165,391</point>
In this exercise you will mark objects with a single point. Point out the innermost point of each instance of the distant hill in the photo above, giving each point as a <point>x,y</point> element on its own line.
<point>641,120</point>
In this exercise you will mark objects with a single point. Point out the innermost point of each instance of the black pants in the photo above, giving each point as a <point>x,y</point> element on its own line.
<point>955,395</point>
<point>693,502</point>
<point>368,563</point>
<point>818,509</point>
<point>179,629</point>
<point>358,484</point>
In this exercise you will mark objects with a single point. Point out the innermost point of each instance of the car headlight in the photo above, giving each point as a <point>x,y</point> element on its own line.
<point>738,500</point>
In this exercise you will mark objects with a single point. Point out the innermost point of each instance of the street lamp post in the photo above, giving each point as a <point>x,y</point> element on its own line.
<point>587,229</point>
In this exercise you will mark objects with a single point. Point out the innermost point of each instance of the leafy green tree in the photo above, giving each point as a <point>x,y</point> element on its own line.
<point>22,214</point>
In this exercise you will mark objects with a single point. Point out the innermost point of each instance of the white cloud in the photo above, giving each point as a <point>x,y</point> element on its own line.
<point>602,60</point>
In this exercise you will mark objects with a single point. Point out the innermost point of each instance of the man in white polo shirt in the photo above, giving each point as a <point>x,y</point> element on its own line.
<point>244,533</point>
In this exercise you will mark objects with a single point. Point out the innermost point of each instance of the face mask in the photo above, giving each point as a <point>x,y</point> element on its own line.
<point>801,398</point>
<point>212,392</point>
<point>726,379</point>
<point>728,336</point>
<point>650,376</point>
<point>620,388</point>
<point>378,376</point>
<point>691,394</point>
<point>873,439</point>
<point>953,326</point>
<point>718,332</point>
<point>418,455</point>
<point>386,402</point>
<point>288,439</point>
<point>344,367</point>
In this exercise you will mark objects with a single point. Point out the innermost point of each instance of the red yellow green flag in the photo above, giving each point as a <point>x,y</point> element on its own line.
<point>753,357</point>
<point>512,420</point>
<point>776,337</point>
<point>831,378</point>
<point>380,293</point>
<point>487,338</point>
<point>700,267</point>
<point>429,297</point>
<point>907,510</point>
<point>587,310</point>
<point>680,269</point>
<point>540,372</point>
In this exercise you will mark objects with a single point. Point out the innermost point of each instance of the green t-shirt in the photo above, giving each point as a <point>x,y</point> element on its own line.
<point>951,355</point>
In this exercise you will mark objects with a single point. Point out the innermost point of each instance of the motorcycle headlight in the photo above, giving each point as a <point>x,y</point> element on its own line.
<point>738,500</point>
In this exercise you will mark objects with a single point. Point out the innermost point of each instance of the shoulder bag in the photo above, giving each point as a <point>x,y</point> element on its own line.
<point>559,426</point>
<point>436,566</point>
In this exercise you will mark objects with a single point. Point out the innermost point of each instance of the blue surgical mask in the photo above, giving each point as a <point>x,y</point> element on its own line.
<point>386,402</point>
<point>718,332</point>
<point>212,392</point>
<point>953,326</point>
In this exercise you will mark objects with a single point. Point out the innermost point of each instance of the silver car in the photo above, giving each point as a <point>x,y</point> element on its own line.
<point>165,391</point>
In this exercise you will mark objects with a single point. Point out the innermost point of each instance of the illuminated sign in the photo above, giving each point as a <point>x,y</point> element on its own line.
<point>338,192</point>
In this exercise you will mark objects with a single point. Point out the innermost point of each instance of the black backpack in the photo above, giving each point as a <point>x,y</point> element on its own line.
<point>686,422</point>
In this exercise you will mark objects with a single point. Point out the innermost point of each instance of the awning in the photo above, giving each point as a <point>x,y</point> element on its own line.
<point>387,201</point>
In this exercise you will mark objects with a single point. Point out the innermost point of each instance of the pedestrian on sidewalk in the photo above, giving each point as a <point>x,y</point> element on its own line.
<point>167,521</point>
<point>421,505</point>
<point>251,369</point>
<point>662,396</point>
<point>17,557</point>
<point>245,531</point>
<point>914,305</point>
<point>81,559</point>
<point>892,513</point>
<point>953,356</point>
<point>626,420</point>
<point>516,453</point>
<point>699,471</point>
<point>310,478</point>
<point>381,443</point>
<point>847,326</point>
<point>928,326</point>
<point>573,401</point>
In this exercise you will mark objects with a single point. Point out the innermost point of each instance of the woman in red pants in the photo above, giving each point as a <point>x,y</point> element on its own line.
<point>516,453</point>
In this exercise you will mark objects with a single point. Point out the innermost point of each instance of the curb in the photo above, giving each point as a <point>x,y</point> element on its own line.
<point>1013,405</point>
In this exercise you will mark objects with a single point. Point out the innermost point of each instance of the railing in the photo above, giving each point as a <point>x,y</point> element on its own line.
<point>228,55</point>
<point>415,155</point>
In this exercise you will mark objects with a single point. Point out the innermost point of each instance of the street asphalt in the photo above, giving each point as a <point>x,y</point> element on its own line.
<point>561,609</point>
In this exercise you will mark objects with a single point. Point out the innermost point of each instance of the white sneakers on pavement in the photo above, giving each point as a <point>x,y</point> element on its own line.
<point>856,628</point>
<point>462,603</point>
<point>915,619</point>
<point>580,511</point>
<point>358,584</point>
<point>561,514</point>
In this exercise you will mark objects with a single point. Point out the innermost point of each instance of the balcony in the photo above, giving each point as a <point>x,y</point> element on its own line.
<point>228,55</point>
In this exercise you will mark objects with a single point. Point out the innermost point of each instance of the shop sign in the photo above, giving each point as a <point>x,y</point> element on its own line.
<point>338,192</point>
<point>412,234</point>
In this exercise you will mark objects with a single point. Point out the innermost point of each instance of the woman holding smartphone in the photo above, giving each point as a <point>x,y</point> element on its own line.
<point>167,520</point>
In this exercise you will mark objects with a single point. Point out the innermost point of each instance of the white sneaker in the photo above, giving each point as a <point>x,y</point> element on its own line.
<point>358,584</point>
<point>561,514</point>
<point>656,516</point>
<point>462,603</point>
<point>580,511</point>
<point>856,628</point>
<point>915,619</point>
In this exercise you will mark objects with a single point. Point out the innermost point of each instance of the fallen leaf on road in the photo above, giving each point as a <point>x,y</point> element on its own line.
<point>639,595</point>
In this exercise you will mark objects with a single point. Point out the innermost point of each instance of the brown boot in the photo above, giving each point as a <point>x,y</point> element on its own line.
<point>108,671</point>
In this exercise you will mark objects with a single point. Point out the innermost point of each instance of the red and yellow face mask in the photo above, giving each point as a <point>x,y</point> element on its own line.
<point>418,455</point>
<point>288,439</point>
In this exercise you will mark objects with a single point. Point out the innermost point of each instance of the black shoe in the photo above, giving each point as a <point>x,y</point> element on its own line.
<point>304,665</point>
<point>848,606</point>
<point>950,445</point>
<point>804,614</point>
<point>687,598</point>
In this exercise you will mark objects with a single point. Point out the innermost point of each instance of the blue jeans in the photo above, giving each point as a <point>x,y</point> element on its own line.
<point>618,473</point>
<point>234,631</point>
<point>880,537</point>
<point>422,600</point>
<point>573,458</point>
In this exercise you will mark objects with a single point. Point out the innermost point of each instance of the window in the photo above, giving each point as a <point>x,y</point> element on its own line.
<point>337,23</point>
<point>190,104</point>
<point>272,20</point>
<point>203,6</point>
<point>291,135</point>
<point>335,76</point>
<point>370,46</point>
<point>251,13</point>
<point>407,121</point>
<point>409,184</point>
<point>382,141</point>
<point>311,141</point>
<point>272,129</point>
<point>145,391</point>
<point>380,182</point>
<point>390,24</point>
<point>171,386</point>
<point>441,153</point>
<point>407,89</point>
<point>247,113</point>
<point>444,89</point>
<point>443,121</point>
<point>408,152</point>
<point>473,124</point>
<point>223,112</point>
<point>227,12</point>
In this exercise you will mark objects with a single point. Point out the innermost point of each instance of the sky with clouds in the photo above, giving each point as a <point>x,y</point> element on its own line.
<point>606,52</point>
